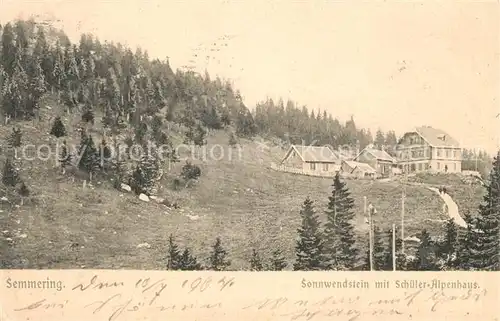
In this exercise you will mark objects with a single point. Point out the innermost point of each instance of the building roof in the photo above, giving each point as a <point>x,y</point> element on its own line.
<point>436,137</point>
<point>320,154</point>
<point>362,166</point>
<point>378,154</point>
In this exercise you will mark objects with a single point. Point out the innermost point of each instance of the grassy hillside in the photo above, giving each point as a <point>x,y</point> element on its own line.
<point>237,198</point>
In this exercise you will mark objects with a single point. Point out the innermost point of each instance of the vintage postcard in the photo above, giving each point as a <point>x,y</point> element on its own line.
<point>249,160</point>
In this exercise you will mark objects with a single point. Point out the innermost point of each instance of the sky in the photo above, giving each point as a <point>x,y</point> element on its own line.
<point>390,65</point>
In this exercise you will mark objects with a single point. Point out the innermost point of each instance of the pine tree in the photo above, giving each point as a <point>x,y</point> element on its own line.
<point>156,125</point>
<point>145,175</point>
<point>9,49</point>
<point>218,258</point>
<point>37,87</point>
<point>188,262</point>
<point>199,136</point>
<point>232,140</point>
<point>447,248</point>
<point>379,139</point>
<point>88,113</point>
<point>339,250</point>
<point>58,129</point>
<point>58,72</point>
<point>425,257</point>
<point>173,255</point>
<point>104,154</point>
<point>466,244</point>
<point>379,252</point>
<point>113,95</point>
<point>255,261</point>
<point>89,160</point>
<point>15,138</point>
<point>10,175</point>
<point>65,157</point>
<point>278,262</point>
<point>309,247</point>
<point>23,192</point>
<point>140,132</point>
<point>487,228</point>
<point>120,171</point>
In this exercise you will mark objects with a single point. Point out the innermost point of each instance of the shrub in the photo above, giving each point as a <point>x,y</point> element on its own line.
<point>190,171</point>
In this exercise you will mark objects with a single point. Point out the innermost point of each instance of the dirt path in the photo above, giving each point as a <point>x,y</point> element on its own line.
<point>452,207</point>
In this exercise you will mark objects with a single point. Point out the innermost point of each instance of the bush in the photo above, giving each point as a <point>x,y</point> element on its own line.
<point>177,184</point>
<point>190,171</point>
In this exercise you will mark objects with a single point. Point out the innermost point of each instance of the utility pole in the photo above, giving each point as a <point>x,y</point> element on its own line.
<point>371,210</point>
<point>394,247</point>
<point>403,196</point>
<point>403,221</point>
<point>364,208</point>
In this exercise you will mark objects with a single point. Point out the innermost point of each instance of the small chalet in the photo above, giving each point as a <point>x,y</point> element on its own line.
<point>313,160</point>
<point>379,160</point>
<point>357,169</point>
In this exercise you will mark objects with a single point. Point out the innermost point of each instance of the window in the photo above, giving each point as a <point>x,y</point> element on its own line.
<point>419,166</point>
<point>438,151</point>
<point>447,153</point>
<point>312,166</point>
<point>426,166</point>
<point>455,167</point>
<point>455,153</point>
<point>325,167</point>
<point>438,165</point>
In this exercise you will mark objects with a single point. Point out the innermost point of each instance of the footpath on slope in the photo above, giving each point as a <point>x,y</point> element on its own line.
<point>452,207</point>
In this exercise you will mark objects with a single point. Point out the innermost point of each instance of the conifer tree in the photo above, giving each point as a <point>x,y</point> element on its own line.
<point>232,139</point>
<point>120,171</point>
<point>9,49</point>
<point>379,139</point>
<point>466,244</point>
<point>89,156</point>
<point>447,248</point>
<point>58,72</point>
<point>172,158</point>
<point>339,250</point>
<point>156,124</point>
<point>379,252</point>
<point>15,138</point>
<point>23,192</point>
<point>140,132</point>
<point>58,129</point>
<point>145,174</point>
<point>278,261</point>
<point>199,136</point>
<point>255,261</point>
<point>37,87</point>
<point>218,258</point>
<point>10,175</point>
<point>88,113</point>
<point>104,154</point>
<point>113,94</point>
<point>309,247</point>
<point>486,247</point>
<point>425,257</point>
<point>189,262</point>
<point>65,157</point>
<point>173,255</point>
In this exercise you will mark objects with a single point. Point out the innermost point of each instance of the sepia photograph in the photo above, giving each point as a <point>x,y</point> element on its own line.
<point>249,136</point>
